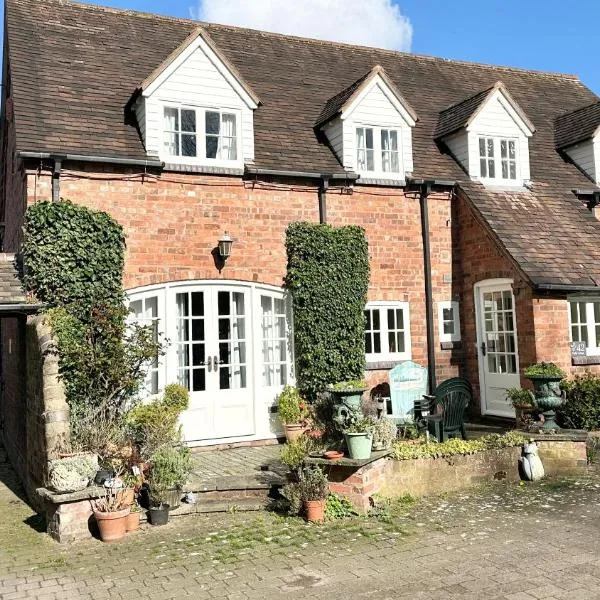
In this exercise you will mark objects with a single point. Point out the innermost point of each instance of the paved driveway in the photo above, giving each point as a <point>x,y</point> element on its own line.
<point>505,541</point>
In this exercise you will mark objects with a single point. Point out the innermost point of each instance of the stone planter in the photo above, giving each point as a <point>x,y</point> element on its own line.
<point>548,397</point>
<point>351,398</point>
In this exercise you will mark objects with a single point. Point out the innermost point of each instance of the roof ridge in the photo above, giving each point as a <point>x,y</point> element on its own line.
<point>196,23</point>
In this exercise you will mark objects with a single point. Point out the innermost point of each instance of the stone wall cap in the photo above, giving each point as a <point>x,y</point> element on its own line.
<point>563,435</point>
<point>88,493</point>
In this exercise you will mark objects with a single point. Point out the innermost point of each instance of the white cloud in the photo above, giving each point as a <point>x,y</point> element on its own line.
<point>377,23</point>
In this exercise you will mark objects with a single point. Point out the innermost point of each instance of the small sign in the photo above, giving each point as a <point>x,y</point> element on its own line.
<point>408,382</point>
<point>577,348</point>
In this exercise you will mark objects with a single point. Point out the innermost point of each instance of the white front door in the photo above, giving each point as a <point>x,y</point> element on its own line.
<point>210,340</point>
<point>497,345</point>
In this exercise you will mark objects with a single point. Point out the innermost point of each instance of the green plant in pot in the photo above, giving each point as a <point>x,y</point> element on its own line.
<point>313,490</point>
<point>548,396</point>
<point>359,438</point>
<point>169,472</point>
<point>521,400</point>
<point>293,412</point>
<point>348,392</point>
<point>385,432</point>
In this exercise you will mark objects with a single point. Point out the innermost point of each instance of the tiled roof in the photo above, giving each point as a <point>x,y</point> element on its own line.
<point>75,67</point>
<point>577,126</point>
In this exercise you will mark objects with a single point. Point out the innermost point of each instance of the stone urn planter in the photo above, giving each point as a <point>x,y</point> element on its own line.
<point>348,393</point>
<point>548,396</point>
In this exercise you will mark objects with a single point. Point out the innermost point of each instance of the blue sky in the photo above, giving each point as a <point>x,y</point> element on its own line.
<point>534,34</point>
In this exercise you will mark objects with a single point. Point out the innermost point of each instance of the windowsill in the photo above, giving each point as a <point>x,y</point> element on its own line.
<point>383,181</point>
<point>383,365</point>
<point>585,360</point>
<point>201,168</point>
<point>457,345</point>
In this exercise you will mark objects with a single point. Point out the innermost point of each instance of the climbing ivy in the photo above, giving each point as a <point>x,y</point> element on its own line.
<point>72,255</point>
<point>328,277</point>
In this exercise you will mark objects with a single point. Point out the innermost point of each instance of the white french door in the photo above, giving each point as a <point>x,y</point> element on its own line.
<point>497,345</point>
<point>210,343</point>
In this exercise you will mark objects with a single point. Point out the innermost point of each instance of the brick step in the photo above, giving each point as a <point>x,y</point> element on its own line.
<point>227,504</point>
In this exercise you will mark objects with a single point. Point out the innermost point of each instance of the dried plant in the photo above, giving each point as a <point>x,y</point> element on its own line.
<point>112,501</point>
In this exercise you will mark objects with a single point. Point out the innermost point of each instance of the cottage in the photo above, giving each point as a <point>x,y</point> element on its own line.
<point>477,186</point>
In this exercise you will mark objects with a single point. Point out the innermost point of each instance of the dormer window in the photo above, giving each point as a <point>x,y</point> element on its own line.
<point>497,150</point>
<point>181,133</point>
<point>377,150</point>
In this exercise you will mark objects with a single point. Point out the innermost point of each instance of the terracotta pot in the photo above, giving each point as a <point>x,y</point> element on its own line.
<point>293,431</point>
<point>112,525</point>
<point>132,522</point>
<point>315,510</point>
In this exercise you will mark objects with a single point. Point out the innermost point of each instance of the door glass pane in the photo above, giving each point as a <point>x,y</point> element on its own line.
<point>274,342</point>
<point>190,347</point>
<point>499,334</point>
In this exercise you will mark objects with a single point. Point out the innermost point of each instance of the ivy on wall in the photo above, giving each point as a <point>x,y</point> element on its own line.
<point>328,277</point>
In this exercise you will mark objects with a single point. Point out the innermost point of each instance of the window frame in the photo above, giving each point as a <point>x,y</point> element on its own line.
<point>378,172</point>
<point>593,341</point>
<point>201,158</point>
<point>385,355</point>
<point>497,159</point>
<point>449,337</point>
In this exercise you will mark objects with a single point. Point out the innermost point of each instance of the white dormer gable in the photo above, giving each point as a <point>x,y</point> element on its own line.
<point>488,134</point>
<point>369,128</point>
<point>195,109</point>
<point>578,136</point>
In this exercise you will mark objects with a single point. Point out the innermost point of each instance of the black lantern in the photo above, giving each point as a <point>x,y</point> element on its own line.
<point>225,243</point>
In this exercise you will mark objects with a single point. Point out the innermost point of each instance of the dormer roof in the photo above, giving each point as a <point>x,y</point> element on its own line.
<point>577,126</point>
<point>342,101</point>
<point>195,38</point>
<point>463,113</point>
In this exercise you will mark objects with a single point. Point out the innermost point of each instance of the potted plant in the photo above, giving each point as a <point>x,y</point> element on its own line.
<point>132,521</point>
<point>110,511</point>
<point>292,411</point>
<point>359,438</point>
<point>385,432</point>
<point>522,401</point>
<point>348,392</point>
<point>72,473</point>
<point>313,490</point>
<point>548,396</point>
<point>170,468</point>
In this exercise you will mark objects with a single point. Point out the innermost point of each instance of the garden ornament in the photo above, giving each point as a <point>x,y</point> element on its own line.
<point>530,462</point>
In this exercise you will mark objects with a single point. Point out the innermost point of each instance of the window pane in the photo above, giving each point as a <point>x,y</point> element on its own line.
<point>212,122</point>
<point>596,306</point>
<point>448,314</point>
<point>512,154</point>
<point>482,147</point>
<point>503,149</point>
<point>491,169</point>
<point>376,324</point>
<point>229,148</point>
<point>400,336</point>
<point>188,145</point>
<point>212,145</point>
<point>400,318</point>
<point>368,345</point>
<point>449,327</point>
<point>369,138</point>
<point>390,319</point>
<point>483,167</point>
<point>368,319</point>
<point>377,342</point>
<point>513,170</point>
<point>392,341</point>
<point>198,304</point>
<point>171,121</point>
<point>490,147</point>
<point>504,170</point>
<point>385,139</point>
<point>394,140</point>
<point>228,125</point>
<point>573,308</point>
<point>395,163</point>
<point>182,305</point>
<point>370,161</point>
<point>188,120</point>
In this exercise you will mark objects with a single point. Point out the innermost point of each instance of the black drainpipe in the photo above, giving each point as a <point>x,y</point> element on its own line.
<point>425,190</point>
<point>323,199</point>
<point>56,178</point>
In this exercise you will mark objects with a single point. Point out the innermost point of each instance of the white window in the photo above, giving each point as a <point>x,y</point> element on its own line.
<point>274,340</point>
<point>584,319</point>
<point>144,311</point>
<point>449,322</point>
<point>387,331</point>
<point>497,158</point>
<point>198,133</point>
<point>378,150</point>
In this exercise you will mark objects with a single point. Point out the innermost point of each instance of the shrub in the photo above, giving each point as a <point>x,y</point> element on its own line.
<point>328,276</point>
<point>582,408</point>
<point>313,484</point>
<point>385,432</point>
<point>155,424</point>
<point>519,397</point>
<point>293,453</point>
<point>544,368</point>
<point>291,407</point>
<point>170,469</point>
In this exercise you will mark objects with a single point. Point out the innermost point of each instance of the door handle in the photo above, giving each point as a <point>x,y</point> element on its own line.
<point>216,361</point>
<point>209,363</point>
<point>483,348</point>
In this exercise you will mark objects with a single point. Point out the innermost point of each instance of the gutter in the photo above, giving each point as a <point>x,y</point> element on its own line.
<point>425,186</point>
<point>565,287</point>
<point>111,160</point>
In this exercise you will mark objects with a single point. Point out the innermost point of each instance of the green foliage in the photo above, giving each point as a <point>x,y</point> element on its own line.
<point>385,432</point>
<point>72,255</point>
<point>312,483</point>
<point>338,507</point>
<point>327,275</point>
<point>170,469</point>
<point>519,397</point>
<point>293,453</point>
<point>544,368</point>
<point>291,406</point>
<point>102,363</point>
<point>582,408</point>
<point>291,492</point>
<point>455,446</point>
<point>361,425</point>
<point>155,424</point>
<point>358,385</point>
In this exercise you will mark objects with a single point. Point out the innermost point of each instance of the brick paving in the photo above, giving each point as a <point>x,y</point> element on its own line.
<point>504,541</point>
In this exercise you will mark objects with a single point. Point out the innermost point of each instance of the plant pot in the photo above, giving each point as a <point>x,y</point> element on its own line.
<point>159,515</point>
<point>521,410</point>
<point>315,510</point>
<point>359,445</point>
<point>548,397</point>
<point>132,522</point>
<point>293,431</point>
<point>112,525</point>
<point>351,398</point>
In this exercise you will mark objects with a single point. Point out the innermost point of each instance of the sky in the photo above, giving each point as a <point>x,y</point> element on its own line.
<point>549,35</point>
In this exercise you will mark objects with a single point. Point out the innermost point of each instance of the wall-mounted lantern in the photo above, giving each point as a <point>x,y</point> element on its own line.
<point>225,243</point>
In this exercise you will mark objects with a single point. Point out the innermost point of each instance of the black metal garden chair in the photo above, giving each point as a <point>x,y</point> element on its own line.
<point>448,406</point>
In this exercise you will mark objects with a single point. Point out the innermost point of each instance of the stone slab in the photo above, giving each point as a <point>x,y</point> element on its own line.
<point>348,462</point>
